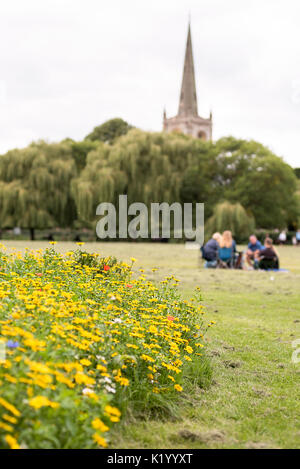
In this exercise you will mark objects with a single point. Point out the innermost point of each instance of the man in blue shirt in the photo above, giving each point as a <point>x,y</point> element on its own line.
<point>254,247</point>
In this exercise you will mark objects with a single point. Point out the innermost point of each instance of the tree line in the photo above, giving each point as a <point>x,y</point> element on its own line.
<point>48,185</point>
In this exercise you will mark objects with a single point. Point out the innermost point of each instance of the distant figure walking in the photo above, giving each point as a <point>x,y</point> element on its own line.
<point>282,237</point>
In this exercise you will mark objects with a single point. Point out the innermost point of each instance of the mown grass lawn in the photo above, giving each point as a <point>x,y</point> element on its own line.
<point>253,401</point>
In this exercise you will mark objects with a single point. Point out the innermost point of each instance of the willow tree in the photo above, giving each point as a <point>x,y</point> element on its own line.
<point>96,182</point>
<point>152,165</point>
<point>233,217</point>
<point>35,186</point>
<point>147,167</point>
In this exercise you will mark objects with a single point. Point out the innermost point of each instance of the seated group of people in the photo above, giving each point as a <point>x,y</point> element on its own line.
<point>220,251</point>
<point>262,257</point>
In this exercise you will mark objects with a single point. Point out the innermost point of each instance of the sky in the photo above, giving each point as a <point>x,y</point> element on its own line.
<point>67,66</point>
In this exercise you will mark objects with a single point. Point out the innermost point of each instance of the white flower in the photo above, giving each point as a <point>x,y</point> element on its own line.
<point>106,379</point>
<point>110,389</point>
<point>100,357</point>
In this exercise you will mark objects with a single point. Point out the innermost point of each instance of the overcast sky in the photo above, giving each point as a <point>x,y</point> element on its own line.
<point>69,65</point>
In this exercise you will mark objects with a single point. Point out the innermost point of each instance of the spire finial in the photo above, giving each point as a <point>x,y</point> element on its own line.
<point>188,96</point>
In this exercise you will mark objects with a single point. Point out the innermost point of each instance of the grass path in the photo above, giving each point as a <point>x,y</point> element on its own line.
<point>254,397</point>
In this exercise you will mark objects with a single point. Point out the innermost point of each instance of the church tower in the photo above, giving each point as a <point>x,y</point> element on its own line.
<point>187,120</point>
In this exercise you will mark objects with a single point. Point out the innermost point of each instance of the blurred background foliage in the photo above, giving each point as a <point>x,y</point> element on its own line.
<point>59,185</point>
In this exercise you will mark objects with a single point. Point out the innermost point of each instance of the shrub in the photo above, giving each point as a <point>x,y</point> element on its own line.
<point>109,131</point>
<point>231,217</point>
<point>85,339</point>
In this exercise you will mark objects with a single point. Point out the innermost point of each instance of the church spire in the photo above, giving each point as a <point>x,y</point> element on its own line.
<point>187,120</point>
<point>188,96</point>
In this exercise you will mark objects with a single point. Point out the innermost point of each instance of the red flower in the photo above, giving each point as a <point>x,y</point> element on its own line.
<point>170,318</point>
<point>106,268</point>
<point>39,275</point>
<point>128,285</point>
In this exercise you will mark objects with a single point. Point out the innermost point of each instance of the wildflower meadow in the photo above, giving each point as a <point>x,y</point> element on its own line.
<point>85,340</point>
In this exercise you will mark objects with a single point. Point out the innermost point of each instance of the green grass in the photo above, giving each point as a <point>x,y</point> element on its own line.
<point>253,400</point>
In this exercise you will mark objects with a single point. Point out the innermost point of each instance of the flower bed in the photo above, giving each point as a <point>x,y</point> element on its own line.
<point>85,339</point>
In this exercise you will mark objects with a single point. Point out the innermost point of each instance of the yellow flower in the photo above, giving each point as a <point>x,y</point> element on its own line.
<point>9,378</point>
<point>113,413</point>
<point>187,358</point>
<point>97,424</point>
<point>35,344</point>
<point>132,346</point>
<point>12,442</point>
<point>9,407</point>
<point>38,367</point>
<point>9,418</point>
<point>147,358</point>
<point>101,368</point>
<point>81,378</point>
<point>124,381</point>
<point>133,259</point>
<point>85,362</point>
<point>42,401</point>
<point>100,440</point>
<point>178,387</point>
<point>152,368</point>
<point>189,349</point>
<point>6,427</point>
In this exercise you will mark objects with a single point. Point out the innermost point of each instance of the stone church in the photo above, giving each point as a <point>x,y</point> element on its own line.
<point>187,120</point>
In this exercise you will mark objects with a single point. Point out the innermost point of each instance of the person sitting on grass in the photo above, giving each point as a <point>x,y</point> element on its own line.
<point>210,251</point>
<point>227,250</point>
<point>267,258</point>
<point>254,247</point>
